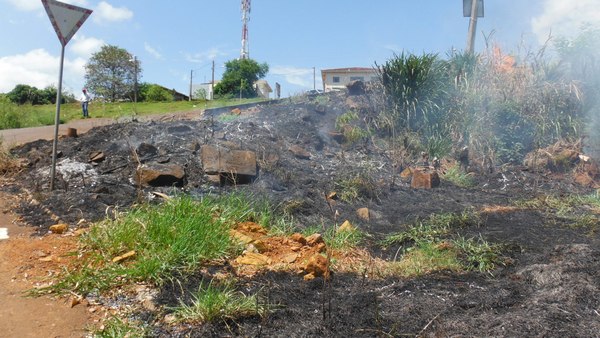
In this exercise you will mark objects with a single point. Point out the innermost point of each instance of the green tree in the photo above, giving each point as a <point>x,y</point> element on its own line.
<point>239,77</point>
<point>157,93</point>
<point>112,73</point>
<point>22,94</point>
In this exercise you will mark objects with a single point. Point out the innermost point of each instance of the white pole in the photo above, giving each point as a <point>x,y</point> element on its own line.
<point>57,116</point>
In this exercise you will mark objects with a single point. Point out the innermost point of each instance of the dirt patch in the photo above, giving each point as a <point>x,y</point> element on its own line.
<point>25,262</point>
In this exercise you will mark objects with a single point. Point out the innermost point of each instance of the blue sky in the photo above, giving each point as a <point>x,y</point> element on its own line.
<point>171,38</point>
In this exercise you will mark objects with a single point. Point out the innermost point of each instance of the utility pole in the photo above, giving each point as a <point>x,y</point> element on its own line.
<point>314,79</point>
<point>191,76</point>
<point>472,27</point>
<point>212,82</point>
<point>135,78</point>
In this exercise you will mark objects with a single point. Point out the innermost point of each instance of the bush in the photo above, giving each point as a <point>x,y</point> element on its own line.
<point>157,93</point>
<point>9,118</point>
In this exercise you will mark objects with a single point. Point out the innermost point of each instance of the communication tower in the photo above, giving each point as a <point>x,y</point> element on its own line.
<point>245,18</point>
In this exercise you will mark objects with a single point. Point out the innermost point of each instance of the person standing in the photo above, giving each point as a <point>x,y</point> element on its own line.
<point>85,99</point>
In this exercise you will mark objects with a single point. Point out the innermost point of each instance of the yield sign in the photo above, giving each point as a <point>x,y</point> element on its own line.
<point>66,19</point>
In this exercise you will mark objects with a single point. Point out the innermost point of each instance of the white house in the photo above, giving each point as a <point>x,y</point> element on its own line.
<point>203,91</point>
<point>338,78</point>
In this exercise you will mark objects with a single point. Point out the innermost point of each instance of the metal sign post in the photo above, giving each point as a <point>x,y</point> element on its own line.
<point>475,10</point>
<point>66,20</point>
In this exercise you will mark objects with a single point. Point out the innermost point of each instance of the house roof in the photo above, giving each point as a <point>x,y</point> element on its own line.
<point>348,70</point>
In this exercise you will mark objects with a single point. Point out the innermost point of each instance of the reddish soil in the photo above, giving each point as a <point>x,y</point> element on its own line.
<point>25,261</point>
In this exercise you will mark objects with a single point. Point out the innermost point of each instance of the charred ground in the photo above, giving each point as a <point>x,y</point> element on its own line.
<point>547,286</point>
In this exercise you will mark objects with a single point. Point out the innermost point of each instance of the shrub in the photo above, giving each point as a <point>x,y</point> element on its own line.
<point>156,93</point>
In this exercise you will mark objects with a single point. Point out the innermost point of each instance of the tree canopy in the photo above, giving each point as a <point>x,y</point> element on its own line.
<point>22,94</point>
<point>240,76</point>
<point>112,73</point>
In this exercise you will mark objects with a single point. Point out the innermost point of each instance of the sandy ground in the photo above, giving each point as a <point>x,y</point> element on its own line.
<point>23,261</point>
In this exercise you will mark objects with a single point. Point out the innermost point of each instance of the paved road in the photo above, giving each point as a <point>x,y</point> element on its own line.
<point>13,137</point>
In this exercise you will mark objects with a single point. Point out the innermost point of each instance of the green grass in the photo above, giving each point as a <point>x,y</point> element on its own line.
<point>428,245</point>
<point>22,116</point>
<point>478,254</point>
<point>344,239</point>
<point>115,327</point>
<point>176,236</point>
<point>357,187</point>
<point>457,177</point>
<point>433,228</point>
<point>425,258</point>
<point>218,302</point>
<point>579,211</point>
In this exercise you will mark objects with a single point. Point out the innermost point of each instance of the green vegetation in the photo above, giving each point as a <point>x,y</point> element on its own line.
<point>239,78</point>
<point>347,124</point>
<point>22,94</point>
<point>433,228</point>
<point>112,73</point>
<point>479,254</point>
<point>428,245</point>
<point>22,116</point>
<point>343,239</point>
<point>426,257</point>
<point>579,211</point>
<point>218,302</point>
<point>116,327</point>
<point>356,187</point>
<point>176,236</point>
<point>502,106</point>
<point>458,177</point>
<point>9,114</point>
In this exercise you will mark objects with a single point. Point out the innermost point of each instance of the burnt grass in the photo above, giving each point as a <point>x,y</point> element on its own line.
<point>548,285</point>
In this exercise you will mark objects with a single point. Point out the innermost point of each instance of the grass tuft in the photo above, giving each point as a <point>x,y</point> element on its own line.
<point>426,257</point>
<point>218,302</point>
<point>115,327</point>
<point>458,178</point>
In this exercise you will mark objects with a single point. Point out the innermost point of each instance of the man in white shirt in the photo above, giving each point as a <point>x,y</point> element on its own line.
<point>85,99</point>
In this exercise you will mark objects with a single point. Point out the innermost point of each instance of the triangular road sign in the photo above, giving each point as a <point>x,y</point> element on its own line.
<point>66,19</point>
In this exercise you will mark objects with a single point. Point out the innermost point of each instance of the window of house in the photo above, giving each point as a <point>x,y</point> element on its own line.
<point>336,79</point>
<point>357,78</point>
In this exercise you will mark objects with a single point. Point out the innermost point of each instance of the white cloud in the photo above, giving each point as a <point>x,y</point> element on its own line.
<point>106,12</point>
<point>565,18</point>
<point>84,46</point>
<point>40,69</point>
<point>32,5</point>
<point>152,51</point>
<point>297,76</point>
<point>205,56</point>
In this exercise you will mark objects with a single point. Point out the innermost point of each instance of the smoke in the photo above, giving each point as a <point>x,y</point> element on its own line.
<point>565,18</point>
<point>575,29</point>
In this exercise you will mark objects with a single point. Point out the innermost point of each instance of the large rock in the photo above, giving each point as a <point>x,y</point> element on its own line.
<point>424,179</point>
<point>218,160</point>
<point>160,175</point>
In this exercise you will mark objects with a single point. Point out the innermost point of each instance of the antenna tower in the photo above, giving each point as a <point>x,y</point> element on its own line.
<point>245,18</point>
